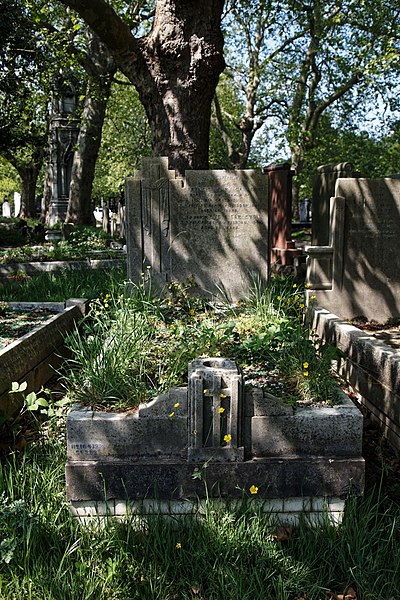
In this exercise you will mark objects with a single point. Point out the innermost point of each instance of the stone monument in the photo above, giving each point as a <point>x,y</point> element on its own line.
<point>64,129</point>
<point>358,272</point>
<point>323,189</point>
<point>208,226</point>
<point>282,247</point>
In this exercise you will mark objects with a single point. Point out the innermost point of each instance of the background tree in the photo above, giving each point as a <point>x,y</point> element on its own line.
<point>293,61</point>
<point>175,70</point>
<point>126,138</point>
<point>23,94</point>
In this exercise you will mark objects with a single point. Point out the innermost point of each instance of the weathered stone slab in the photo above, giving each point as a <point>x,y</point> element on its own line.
<point>166,480</point>
<point>35,356</point>
<point>323,189</point>
<point>322,431</point>
<point>153,430</point>
<point>358,274</point>
<point>210,227</point>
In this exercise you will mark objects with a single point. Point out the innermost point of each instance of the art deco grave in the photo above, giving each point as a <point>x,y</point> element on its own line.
<point>213,436</point>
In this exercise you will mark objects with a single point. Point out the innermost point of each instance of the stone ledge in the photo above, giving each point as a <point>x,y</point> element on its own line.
<point>372,368</point>
<point>35,356</point>
<point>289,476</point>
<point>286,511</point>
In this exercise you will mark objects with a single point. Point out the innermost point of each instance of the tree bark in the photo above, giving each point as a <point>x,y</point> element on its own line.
<point>175,70</point>
<point>29,176</point>
<point>101,69</point>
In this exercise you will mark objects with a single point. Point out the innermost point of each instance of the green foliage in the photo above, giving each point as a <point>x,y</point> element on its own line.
<point>222,554</point>
<point>125,139</point>
<point>57,287</point>
<point>134,347</point>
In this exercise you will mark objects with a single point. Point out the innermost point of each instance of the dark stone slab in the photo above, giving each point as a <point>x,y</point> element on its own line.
<point>275,478</point>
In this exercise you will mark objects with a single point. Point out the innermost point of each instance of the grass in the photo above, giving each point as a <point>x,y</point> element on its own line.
<point>133,347</point>
<point>57,287</point>
<point>45,555</point>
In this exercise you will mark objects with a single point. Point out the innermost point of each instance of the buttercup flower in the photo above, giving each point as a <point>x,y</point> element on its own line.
<point>176,404</point>
<point>253,489</point>
<point>221,410</point>
<point>222,395</point>
<point>305,365</point>
<point>295,285</point>
<point>307,285</point>
<point>227,437</point>
<point>178,545</point>
<point>171,414</point>
<point>301,305</point>
<point>278,297</point>
<point>305,373</point>
<point>205,392</point>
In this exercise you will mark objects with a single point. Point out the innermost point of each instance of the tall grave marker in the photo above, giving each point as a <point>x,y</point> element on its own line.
<point>358,273</point>
<point>209,226</point>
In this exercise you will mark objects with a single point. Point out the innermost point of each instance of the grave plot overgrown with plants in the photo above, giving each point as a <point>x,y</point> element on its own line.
<point>81,243</point>
<point>132,347</point>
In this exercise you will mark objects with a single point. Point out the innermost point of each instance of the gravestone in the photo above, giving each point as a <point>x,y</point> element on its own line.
<point>304,211</point>
<point>323,189</point>
<point>210,227</point>
<point>358,273</point>
<point>6,210</point>
<point>17,203</point>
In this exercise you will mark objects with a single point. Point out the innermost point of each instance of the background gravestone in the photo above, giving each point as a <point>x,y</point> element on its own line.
<point>323,190</point>
<point>6,209</point>
<point>210,226</point>
<point>359,273</point>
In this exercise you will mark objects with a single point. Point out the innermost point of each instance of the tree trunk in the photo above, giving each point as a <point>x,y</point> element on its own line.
<point>101,69</point>
<point>175,70</point>
<point>28,175</point>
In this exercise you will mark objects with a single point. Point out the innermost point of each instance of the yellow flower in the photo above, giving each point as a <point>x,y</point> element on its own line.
<point>221,410</point>
<point>305,365</point>
<point>296,297</point>
<point>178,545</point>
<point>191,311</point>
<point>227,437</point>
<point>205,392</point>
<point>301,305</point>
<point>307,285</point>
<point>222,395</point>
<point>253,489</point>
<point>305,373</point>
<point>295,285</point>
<point>313,297</point>
<point>278,297</point>
<point>176,404</point>
<point>171,414</point>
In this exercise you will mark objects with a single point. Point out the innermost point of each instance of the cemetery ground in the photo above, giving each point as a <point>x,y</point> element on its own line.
<point>45,554</point>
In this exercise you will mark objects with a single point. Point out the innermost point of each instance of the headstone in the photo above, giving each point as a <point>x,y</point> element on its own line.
<point>210,227</point>
<point>280,196</point>
<point>6,210</point>
<point>304,211</point>
<point>358,273</point>
<point>323,190</point>
<point>17,203</point>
